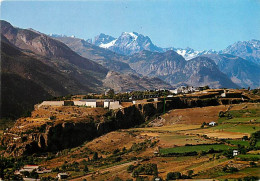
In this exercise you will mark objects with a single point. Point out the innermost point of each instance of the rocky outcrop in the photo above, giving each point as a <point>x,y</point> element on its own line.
<point>55,135</point>
<point>58,135</point>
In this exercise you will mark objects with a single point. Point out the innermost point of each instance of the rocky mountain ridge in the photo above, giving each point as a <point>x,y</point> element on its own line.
<point>126,44</point>
<point>105,57</point>
<point>243,72</point>
<point>174,69</point>
<point>130,43</point>
<point>249,50</point>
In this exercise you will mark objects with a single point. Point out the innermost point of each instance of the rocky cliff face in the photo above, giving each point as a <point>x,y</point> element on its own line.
<point>32,135</point>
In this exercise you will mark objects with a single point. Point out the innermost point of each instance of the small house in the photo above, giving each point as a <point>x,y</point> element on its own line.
<point>156,153</point>
<point>79,103</point>
<point>62,176</point>
<point>158,179</point>
<point>235,152</point>
<point>212,123</point>
<point>107,102</point>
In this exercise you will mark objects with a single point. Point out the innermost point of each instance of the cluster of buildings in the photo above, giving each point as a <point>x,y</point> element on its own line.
<point>39,170</point>
<point>31,168</point>
<point>93,103</point>
<point>186,90</point>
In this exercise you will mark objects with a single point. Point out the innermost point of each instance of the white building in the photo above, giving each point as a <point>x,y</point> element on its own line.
<point>176,91</point>
<point>212,123</point>
<point>79,103</point>
<point>114,105</point>
<point>235,152</point>
<point>62,176</point>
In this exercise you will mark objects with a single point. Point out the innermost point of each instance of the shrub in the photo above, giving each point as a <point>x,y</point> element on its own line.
<point>52,117</point>
<point>95,156</point>
<point>173,176</point>
<point>130,168</point>
<point>229,169</point>
<point>252,164</point>
<point>116,151</point>
<point>190,172</point>
<point>85,168</point>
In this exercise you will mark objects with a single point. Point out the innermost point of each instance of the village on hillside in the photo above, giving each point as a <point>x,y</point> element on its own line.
<point>116,101</point>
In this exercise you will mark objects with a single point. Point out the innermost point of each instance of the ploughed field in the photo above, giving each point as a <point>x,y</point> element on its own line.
<point>181,142</point>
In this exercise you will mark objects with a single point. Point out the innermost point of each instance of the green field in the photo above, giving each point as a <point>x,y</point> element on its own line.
<point>250,171</point>
<point>242,143</point>
<point>245,128</point>
<point>195,148</point>
<point>245,113</point>
<point>242,116</point>
<point>243,120</point>
<point>258,143</point>
<point>249,157</point>
<point>238,142</point>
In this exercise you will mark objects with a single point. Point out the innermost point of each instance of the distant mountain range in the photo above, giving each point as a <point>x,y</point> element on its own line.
<point>126,43</point>
<point>240,61</point>
<point>249,50</point>
<point>242,72</point>
<point>250,79</point>
<point>172,67</point>
<point>132,42</point>
<point>168,66</point>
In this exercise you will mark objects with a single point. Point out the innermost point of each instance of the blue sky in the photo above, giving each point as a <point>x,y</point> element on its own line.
<point>199,24</point>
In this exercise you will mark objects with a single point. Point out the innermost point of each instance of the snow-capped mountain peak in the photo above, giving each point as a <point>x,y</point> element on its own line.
<point>107,45</point>
<point>127,43</point>
<point>249,50</point>
<point>102,39</point>
<point>189,53</point>
<point>133,35</point>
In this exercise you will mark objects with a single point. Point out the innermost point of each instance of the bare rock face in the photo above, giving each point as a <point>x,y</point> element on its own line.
<point>32,135</point>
